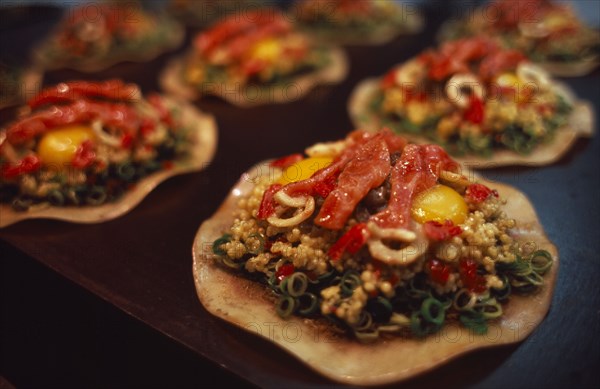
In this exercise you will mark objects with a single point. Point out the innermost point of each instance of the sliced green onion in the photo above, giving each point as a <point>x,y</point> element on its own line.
<point>56,197</point>
<point>490,309</point>
<point>365,321</point>
<point>534,279</point>
<point>296,284</point>
<point>503,293</point>
<point>283,288</point>
<point>309,304</point>
<point>462,300</point>
<point>272,282</point>
<point>21,204</point>
<point>350,281</point>
<point>474,321</point>
<point>125,171</point>
<point>96,196</point>
<point>285,306</point>
<point>518,267</point>
<point>541,261</point>
<point>367,336</point>
<point>231,263</point>
<point>323,277</point>
<point>216,247</point>
<point>416,324</point>
<point>433,311</point>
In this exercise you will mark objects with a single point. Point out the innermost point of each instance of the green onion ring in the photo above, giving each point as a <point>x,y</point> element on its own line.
<point>428,311</point>
<point>313,304</point>
<point>216,247</point>
<point>541,261</point>
<point>297,284</point>
<point>56,197</point>
<point>285,306</point>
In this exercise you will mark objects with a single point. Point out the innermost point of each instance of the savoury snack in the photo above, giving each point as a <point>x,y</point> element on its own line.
<point>478,100</point>
<point>251,59</point>
<point>93,37</point>
<point>90,151</point>
<point>374,240</point>
<point>357,21</point>
<point>547,32</point>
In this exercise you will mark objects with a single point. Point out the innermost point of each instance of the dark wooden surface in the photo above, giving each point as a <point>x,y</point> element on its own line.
<point>114,304</point>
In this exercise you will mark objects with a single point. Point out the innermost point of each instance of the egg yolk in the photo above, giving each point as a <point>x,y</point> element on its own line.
<point>522,89</point>
<point>267,50</point>
<point>58,147</point>
<point>556,21</point>
<point>303,170</point>
<point>439,203</point>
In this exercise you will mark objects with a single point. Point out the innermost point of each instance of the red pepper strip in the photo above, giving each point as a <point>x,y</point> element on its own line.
<point>286,161</point>
<point>121,116</point>
<point>468,274</point>
<point>284,271</point>
<point>324,188</point>
<point>367,170</point>
<point>351,241</point>
<point>475,111</point>
<point>323,179</point>
<point>267,206</point>
<point>84,155</point>
<point>29,164</point>
<point>76,90</point>
<point>235,25</point>
<point>164,114</point>
<point>500,62</point>
<point>477,193</point>
<point>454,57</point>
<point>325,175</point>
<point>238,45</point>
<point>438,231</point>
<point>395,143</point>
<point>417,170</point>
<point>438,271</point>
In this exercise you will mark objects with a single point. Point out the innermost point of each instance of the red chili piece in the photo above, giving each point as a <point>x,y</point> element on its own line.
<point>84,155</point>
<point>475,112</point>
<point>147,126</point>
<point>126,141</point>
<point>287,161</point>
<point>284,271</point>
<point>29,164</point>
<point>351,241</point>
<point>477,193</point>
<point>438,271</point>
<point>438,231</point>
<point>471,280</point>
<point>267,206</point>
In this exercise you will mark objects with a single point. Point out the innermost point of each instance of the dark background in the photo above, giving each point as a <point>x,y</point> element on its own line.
<point>114,304</point>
